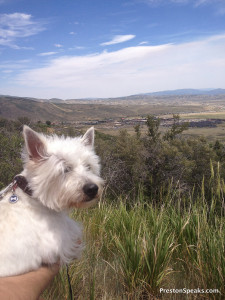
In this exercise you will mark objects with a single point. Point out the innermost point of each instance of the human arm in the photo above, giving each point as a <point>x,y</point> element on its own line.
<point>27,286</point>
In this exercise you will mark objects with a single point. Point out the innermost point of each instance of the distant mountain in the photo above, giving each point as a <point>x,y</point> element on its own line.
<point>188,92</point>
<point>216,92</point>
<point>143,96</point>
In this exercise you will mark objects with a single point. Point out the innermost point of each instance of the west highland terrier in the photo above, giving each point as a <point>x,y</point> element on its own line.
<point>59,173</point>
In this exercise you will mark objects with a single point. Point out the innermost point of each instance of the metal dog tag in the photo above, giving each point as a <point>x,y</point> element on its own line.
<point>13,199</point>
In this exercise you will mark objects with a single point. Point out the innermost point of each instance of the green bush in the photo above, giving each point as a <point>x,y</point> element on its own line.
<point>10,162</point>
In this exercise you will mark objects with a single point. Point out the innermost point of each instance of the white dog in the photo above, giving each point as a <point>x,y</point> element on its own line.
<point>59,173</point>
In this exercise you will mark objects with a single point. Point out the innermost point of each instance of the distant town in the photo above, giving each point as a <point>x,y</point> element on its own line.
<point>165,122</point>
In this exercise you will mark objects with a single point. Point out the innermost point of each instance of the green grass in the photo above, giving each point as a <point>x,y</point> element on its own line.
<point>133,252</point>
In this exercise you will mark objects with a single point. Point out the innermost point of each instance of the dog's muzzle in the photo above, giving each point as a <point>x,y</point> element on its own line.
<point>91,190</point>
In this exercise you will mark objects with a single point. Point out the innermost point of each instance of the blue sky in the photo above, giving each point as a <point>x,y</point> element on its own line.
<point>109,48</point>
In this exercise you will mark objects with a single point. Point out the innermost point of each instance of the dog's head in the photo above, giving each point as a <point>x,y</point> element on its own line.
<point>62,172</point>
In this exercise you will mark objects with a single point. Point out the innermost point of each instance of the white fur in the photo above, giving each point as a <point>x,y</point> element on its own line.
<point>37,229</point>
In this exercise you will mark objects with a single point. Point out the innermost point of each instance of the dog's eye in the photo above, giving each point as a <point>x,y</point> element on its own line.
<point>67,169</point>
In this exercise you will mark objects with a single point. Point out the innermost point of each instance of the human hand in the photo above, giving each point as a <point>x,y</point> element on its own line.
<point>27,286</point>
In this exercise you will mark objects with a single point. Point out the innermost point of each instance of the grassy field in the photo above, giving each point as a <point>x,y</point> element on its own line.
<point>134,250</point>
<point>204,115</point>
<point>211,134</point>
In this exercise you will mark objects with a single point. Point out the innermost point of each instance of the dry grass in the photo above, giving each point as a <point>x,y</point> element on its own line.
<point>132,253</point>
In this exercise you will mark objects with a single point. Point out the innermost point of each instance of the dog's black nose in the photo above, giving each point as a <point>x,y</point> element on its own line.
<point>91,190</point>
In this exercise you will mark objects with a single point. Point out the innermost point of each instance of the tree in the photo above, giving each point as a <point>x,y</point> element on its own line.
<point>137,129</point>
<point>176,129</point>
<point>153,128</point>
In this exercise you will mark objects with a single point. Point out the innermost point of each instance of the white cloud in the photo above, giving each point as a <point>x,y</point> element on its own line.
<point>17,25</point>
<point>219,5</point>
<point>196,3</point>
<point>77,48</point>
<point>7,71</point>
<point>129,71</point>
<point>119,39</point>
<point>206,2</point>
<point>47,53</point>
<point>15,65</point>
<point>58,45</point>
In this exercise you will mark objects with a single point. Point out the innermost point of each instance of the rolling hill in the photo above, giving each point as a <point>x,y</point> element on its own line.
<point>72,110</point>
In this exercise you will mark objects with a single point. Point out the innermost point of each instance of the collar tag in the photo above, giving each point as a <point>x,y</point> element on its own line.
<point>13,199</point>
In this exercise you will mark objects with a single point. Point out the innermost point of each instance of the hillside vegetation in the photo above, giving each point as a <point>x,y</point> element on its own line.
<point>160,222</point>
<point>79,110</point>
<point>13,108</point>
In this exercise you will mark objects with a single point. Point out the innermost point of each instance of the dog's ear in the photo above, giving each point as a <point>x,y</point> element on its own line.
<point>88,138</point>
<point>34,144</point>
